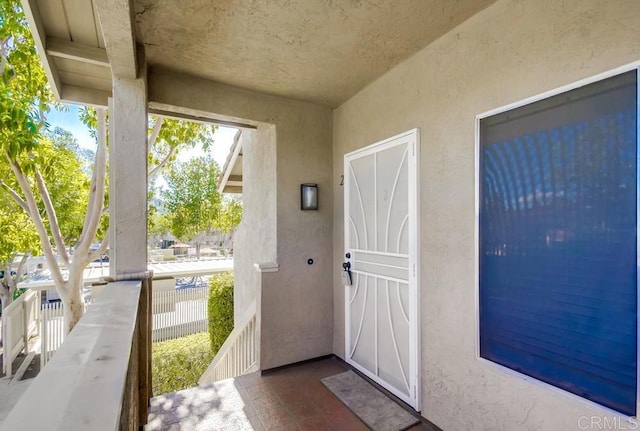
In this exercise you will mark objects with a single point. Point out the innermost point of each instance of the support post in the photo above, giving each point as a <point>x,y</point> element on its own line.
<point>128,177</point>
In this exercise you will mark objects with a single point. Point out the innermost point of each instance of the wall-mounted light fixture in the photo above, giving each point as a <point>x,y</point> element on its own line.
<point>308,196</point>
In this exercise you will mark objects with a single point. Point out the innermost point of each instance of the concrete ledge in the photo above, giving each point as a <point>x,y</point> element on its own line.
<point>82,387</point>
<point>266,266</point>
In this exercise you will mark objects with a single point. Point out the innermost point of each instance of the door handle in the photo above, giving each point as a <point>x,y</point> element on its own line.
<point>346,274</point>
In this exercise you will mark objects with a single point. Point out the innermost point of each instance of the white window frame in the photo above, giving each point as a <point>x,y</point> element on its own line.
<point>506,371</point>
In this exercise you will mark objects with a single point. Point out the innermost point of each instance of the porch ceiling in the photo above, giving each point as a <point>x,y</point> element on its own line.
<point>320,51</point>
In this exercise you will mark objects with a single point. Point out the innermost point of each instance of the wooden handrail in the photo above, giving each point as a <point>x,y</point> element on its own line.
<point>100,378</point>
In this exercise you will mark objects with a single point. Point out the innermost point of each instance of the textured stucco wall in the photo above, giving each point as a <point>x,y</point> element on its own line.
<point>297,316</point>
<point>510,51</point>
<point>255,239</point>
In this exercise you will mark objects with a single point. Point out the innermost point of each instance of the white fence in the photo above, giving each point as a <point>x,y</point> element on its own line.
<point>176,313</point>
<point>52,332</point>
<point>179,312</point>
<point>19,323</point>
<point>239,353</point>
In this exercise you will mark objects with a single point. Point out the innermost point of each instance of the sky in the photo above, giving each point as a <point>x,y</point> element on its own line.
<point>68,120</point>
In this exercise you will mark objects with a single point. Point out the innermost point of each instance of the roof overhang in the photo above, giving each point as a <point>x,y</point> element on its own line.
<point>231,175</point>
<point>83,45</point>
<point>324,52</point>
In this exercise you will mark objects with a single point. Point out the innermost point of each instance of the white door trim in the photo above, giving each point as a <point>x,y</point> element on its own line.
<point>413,135</point>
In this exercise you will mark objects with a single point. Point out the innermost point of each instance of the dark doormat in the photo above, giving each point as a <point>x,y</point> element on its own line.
<point>374,408</point>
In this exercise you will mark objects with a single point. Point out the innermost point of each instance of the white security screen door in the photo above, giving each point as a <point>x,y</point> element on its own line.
<point>381,249</point>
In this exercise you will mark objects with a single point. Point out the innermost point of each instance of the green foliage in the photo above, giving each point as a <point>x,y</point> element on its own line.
<point>178,134</point>
<point>65,139</point>
<point>24,92</point>
<point>178,364</point>
<point>220,309</point>
<point>17,293</point>
<point>67,181</point>
<point>157,223</point>
<point>230,215</point>
<point>191,200</point>
<point>68,186</point>
<point>18,233</point>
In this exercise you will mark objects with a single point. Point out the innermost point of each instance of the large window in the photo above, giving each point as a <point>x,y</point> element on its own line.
<point>558,240</point>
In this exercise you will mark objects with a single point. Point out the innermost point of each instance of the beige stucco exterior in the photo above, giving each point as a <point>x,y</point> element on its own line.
<point>291,146</point>
<point>255,240</point>
<point>508,52</point>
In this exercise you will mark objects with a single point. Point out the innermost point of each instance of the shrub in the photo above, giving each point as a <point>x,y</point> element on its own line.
<point>220,309</point>
<point>178,364</point>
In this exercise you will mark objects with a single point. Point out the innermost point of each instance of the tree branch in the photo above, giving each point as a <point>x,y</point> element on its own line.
<point>151,141</point>
<point>96,198</point>
<point>3,56</point>
<point>164,161</point>
<point>16,279</point>
<point>7,276</point>
<point>37,220</point>
<point>101,250</point>
<point>16,197</point>
<point>92,202</point>
<point>54,225</point>
<point>6,294</point>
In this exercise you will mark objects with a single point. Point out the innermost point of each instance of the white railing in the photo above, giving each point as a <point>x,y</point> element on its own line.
<point>19,323</point>
<point>239,353</point>
<point>179,312</point>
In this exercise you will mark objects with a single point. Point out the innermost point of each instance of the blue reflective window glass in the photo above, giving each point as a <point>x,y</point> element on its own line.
<point>558,245</point>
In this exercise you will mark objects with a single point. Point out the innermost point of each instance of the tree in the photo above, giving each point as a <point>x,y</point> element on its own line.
<point>167,136</point>
<point>69,218</point>
<point>230,216</point>
<point>24,101</point>
<point>66,139</point>
<point>68,186</point>
<point>157,224</point>
<point>191,201</point>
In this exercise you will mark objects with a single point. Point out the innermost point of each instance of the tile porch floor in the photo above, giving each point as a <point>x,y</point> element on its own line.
<point>291,398</point>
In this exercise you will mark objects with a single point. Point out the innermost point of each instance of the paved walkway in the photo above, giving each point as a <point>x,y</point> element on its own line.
<point>288,399</point>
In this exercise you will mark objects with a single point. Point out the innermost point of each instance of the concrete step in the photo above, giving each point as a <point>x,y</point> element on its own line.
<point>218,405</point>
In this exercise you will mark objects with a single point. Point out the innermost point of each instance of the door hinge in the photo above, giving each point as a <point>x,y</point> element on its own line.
<point>415,393</point>
<point>413,148</point>
<point>414,270</point>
